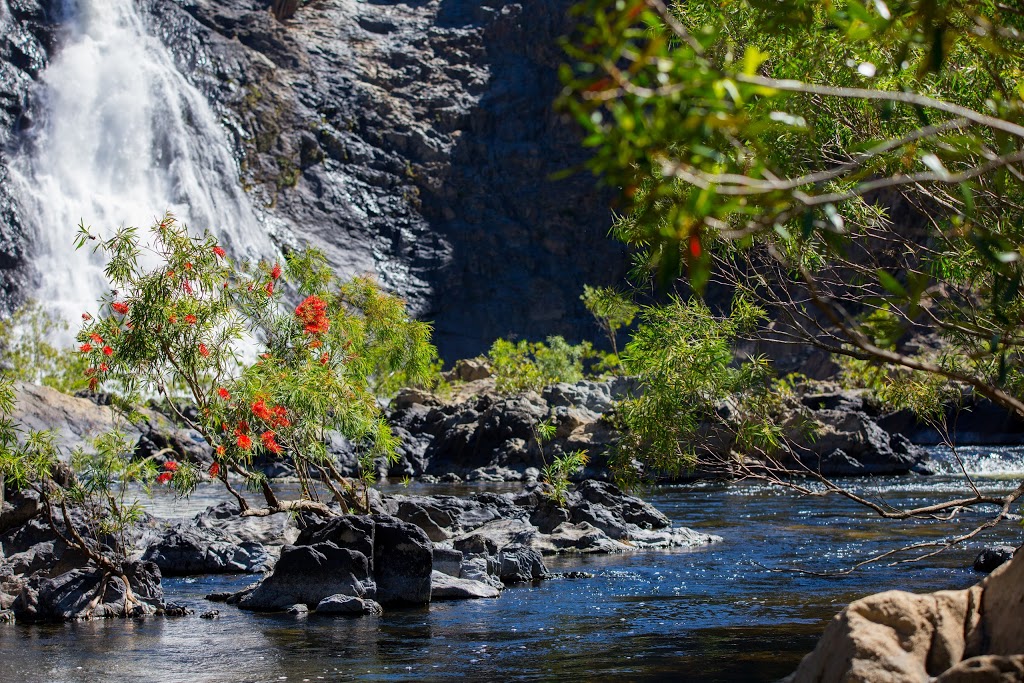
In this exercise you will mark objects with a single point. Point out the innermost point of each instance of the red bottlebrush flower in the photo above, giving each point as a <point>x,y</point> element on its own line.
<point>243,441</point>
<point>188,266</point>
<point>85,348</point>
<point>243,427</point>
<point>695,247</point>
<point>219,251</point>
<point>104,367</point>
<point>172,319</point>
<point>269,443</point>
<point>170,273</point>
<point>315,344</point>
<point>203,351</point>
<point>260,410</point>
<point>92,384</point>
<point>89,372</point>
<point>221,450</point>
<point>171,466</point>
<point>280,419</point>
<point>120,307</point>
<point>276,271</point>
<point>86,316</point>
<point>224,394</point>
<point>215,468</point>
<point>269,289</point>
<point>164,478</point>
<point>96,339</point>
<point>186,286</point>
<point>312,312</point>
<point>190,319</point>
<point>324,358</point>
<point>107,351</point>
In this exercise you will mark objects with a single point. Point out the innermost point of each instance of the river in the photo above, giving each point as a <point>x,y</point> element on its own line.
<point>720,613</point>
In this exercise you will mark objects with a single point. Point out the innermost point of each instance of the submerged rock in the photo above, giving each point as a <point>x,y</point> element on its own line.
<point>347,605</point>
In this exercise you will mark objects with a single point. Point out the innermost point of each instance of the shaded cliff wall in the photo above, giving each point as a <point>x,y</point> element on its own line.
<point>415,141</point>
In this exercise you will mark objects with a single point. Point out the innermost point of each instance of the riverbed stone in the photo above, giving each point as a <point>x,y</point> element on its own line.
<point>187,550</point>
<point>989,559</point>
<point>446,587</point>
<point>447,560</point>
<point>520,564</point>
<point>402,562</point>
<point>985,669</point>
<point>308,574</point>
<point>338,605</point>
<point>88,593</point>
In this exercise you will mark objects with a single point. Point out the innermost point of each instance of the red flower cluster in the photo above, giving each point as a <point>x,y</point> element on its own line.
<point>190,319</point>
<point>312,312</point>
<point>276,272</point>
<point>215,469</point>
<point>186,286</point>
<point>164,478</point>
<point>224,394</point>
<point>86,316</point>
<point>171,465</point>
<point>107,351</point>
<point>96,339</point>
<point>172,319</point>
<point>120,307</point>
<point>269,289</point>
<point>85,348</point>
<point>269,443</point>
<point>260,410</point>
<point>203,351</point>
<point>243,441</point>
<point>280,419</point>
<point>324,358</point>
<point>219,251</point>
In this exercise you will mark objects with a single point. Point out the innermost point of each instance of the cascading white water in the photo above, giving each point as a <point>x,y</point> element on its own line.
<point>122,137</point>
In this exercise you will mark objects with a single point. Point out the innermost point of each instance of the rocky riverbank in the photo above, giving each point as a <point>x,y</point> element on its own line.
<point>410,551</point>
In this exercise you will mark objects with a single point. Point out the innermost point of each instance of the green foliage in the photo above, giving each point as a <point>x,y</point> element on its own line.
<point>613,310</point>
<point>531,366</point>
<point>91,504</point>
<point>26,353</point>
<point>558,472</point>
<point>682,355</point>
<point>183,321</point>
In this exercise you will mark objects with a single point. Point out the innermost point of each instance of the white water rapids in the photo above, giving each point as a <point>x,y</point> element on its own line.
<point>121,138</point>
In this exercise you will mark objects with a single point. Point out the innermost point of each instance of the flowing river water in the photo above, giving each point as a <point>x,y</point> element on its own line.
<point>719,613</point>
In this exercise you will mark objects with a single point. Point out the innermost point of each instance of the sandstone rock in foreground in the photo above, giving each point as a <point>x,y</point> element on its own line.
<point>975,634</point>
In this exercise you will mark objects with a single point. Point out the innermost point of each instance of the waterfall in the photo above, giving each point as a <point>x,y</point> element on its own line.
<point>121,137</point>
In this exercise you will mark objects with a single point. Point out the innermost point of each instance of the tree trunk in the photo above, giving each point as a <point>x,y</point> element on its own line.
<point>284,9</point>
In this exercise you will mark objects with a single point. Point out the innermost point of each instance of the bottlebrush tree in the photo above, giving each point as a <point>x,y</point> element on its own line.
<point>268,378</point>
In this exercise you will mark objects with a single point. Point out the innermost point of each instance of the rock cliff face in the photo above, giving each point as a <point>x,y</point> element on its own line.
<point>412,140</point>
<point>27,34</point>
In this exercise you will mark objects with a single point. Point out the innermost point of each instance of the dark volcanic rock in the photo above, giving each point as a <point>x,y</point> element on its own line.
<point>989,559</point>
<point>88,593</point>
<point>185,550</point>
<point>308,574</point>
<point>402,562</point>
<point>416,142</point>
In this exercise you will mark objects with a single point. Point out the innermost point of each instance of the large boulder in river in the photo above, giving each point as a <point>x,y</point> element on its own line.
<point>87,593</point>
<point>402,562</point>
<point>898,637</point>
<point>307,574</point>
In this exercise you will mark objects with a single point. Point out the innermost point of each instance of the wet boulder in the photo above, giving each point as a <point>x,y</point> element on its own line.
<point>185,550</point>
<point>88,593</point>
<point>989,559</point>
<point>347,605</point>
<point>402,562</point>
<point>307,574</point>
<point>446,587</point>
<point>520,564</point>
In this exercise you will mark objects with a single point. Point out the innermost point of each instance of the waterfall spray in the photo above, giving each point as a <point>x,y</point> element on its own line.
<point>121,138</point>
